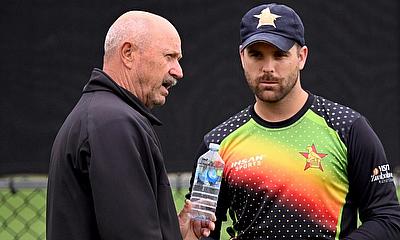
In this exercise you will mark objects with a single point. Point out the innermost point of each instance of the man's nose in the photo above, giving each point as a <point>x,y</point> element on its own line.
<point>176,71</point>
<point>268,65</point>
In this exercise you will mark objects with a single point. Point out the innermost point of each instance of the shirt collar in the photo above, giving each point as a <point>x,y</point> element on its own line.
<point>100,81</point>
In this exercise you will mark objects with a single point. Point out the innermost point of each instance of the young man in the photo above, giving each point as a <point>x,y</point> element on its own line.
<point>298,166</point>
<point>107,178</point>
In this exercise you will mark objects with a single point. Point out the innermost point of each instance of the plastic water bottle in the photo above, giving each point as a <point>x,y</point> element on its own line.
<point>207,183</point>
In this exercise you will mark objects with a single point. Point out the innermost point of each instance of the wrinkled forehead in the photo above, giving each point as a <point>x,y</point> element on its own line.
<point>166,37</point>
<point>165,29</point>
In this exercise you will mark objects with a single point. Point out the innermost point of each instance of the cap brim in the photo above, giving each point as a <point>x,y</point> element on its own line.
<point>280,42</point>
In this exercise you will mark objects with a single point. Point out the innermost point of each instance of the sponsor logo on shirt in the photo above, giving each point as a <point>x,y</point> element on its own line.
<point>248,163</point>
<point>382,174</point>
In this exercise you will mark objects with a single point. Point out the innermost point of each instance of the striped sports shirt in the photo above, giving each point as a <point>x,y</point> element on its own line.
<point>305,177</point>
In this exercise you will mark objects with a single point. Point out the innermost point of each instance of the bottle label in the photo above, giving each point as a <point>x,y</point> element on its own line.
<point>208,173</point>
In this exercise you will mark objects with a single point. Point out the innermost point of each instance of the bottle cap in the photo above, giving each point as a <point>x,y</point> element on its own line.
<point>213,146</point>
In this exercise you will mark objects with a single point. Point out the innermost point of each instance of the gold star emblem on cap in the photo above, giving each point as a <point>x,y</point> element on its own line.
<point>266,18</point>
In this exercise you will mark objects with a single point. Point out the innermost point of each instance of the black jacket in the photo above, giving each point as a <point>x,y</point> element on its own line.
<point>107,178</point>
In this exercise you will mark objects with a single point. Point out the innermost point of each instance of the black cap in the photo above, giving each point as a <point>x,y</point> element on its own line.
<point>273,23</point>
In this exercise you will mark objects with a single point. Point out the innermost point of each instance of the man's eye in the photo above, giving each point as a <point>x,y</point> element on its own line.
<point>255,54</point>
<point>280,54</point>
<point>172,56</point>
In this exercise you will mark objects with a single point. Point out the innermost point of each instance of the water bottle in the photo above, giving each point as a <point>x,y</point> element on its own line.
<point>207,183</point>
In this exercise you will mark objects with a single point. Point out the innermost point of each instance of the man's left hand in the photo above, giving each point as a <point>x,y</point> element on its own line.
<point>191,228</point>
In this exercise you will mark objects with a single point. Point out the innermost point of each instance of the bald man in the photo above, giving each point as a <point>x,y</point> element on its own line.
<point>107,178</point>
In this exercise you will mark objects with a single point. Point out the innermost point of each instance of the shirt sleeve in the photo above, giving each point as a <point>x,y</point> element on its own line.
<point>123,182</point>
<point>371,185</point>
<point>223,198</point>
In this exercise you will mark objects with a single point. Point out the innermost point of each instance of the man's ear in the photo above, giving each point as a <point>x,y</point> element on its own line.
<point>127,54</point>
<point>241,54</point>
<point>303,52</point>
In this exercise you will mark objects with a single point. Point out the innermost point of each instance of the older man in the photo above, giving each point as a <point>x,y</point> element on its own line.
<point>107,177</point>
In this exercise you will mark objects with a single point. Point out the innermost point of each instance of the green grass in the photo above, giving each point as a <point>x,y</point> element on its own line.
<point>22,215</point>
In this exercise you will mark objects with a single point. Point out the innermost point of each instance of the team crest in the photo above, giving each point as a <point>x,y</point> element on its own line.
<point>313,158</point>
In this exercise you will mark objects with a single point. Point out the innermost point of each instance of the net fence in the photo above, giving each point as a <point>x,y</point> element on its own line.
<point>23,204</point>
<point>22,208</point>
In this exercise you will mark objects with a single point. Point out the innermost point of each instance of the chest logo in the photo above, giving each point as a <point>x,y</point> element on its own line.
<point>253,161</point>
<point>313,158</point>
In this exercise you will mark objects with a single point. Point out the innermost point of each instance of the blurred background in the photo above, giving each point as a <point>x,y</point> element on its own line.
<point>49,49</point>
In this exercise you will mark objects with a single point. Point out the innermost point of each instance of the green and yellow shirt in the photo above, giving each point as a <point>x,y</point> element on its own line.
<point>305,177</point>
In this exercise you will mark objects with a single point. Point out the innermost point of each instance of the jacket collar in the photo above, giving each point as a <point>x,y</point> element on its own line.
<point>100,81</point>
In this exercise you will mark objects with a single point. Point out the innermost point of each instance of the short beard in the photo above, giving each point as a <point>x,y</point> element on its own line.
<point>278,94</point>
